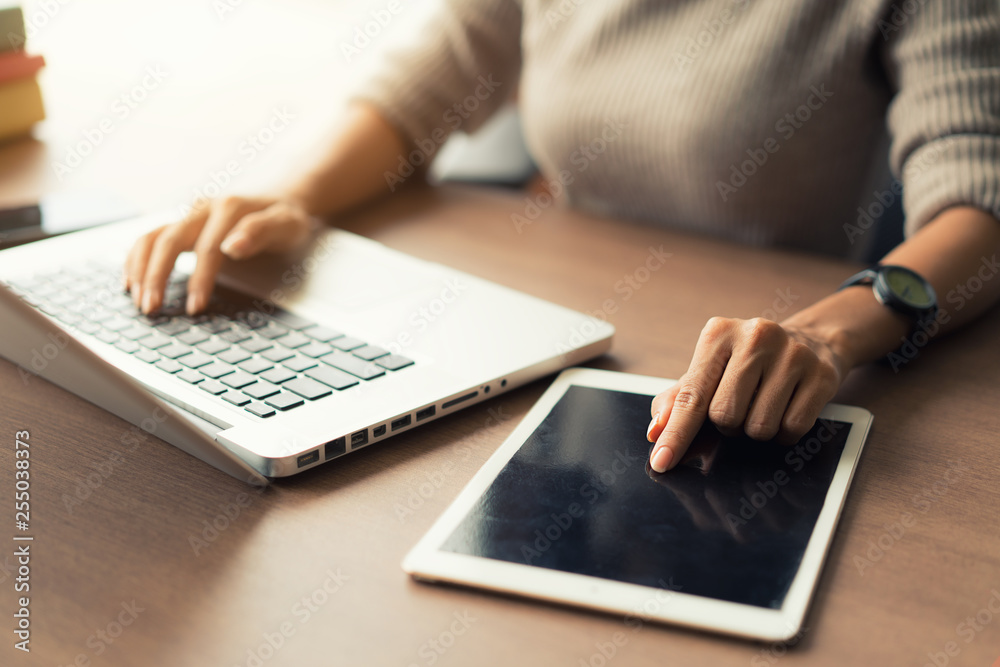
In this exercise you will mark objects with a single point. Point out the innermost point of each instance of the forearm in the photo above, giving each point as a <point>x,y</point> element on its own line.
<point>352,169</point>
<point>957,253</point>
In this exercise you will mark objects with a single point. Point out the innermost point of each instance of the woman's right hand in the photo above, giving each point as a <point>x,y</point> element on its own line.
<point>234,227</point>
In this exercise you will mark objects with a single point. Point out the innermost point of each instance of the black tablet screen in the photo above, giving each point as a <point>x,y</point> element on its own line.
<point>730,522</point>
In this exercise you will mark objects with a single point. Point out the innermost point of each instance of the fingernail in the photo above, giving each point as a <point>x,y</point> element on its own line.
<point>652,425</point>
<point>136,291</point>
<point>147,302</point>
<point>234,246</point>
<point>661,459</point>
<point>193,303</point>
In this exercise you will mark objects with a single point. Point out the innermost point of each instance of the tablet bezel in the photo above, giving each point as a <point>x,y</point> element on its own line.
<point>426,561</point>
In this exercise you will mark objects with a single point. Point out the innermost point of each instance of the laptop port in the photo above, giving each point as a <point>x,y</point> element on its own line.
<point>378,431</point>
<point>359,438</point>
<point>460,399</point>
<point>335,448</point>
<point>400,423</point>
<point>425,413</point>
<point>306,459</point>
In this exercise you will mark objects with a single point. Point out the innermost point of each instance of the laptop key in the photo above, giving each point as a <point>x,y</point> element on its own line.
<point>347,343</point>
<point>216,369</point>
<point>315,350</point>
<point>213,387</point>
<point>259,409</point>
<point>332,377</point>
<point>234,355</point>
<point>394,362</point>
<point>370,352</point>
<point>238,380</point>
<point>216,324</point>
<point>299,364</point>
<point>235,334</point>
<point>196,360</point>
<point>261,390</point>
<point>289,320</point>
<point>278,375</point>
<point>108,337</point>
<point>272,331</point>
<point>126,345</point>
<point>235,397</point>
<point>173,327</point>
<point>256,365</point>
<point>256,344</point>
<point>213,346</point>
<point>155,341</point>
<point>322,334</point>
<point>175,351</point>
<point>294,340</point>
<point>193,377</point>
<point>148,356</point>
<point>307,388</point>
<point>284,401</point>
<point>277,354</point>
<point>359,367</point>
<point>169,365</point>
<point>135,333</point>
<point>193,336</point>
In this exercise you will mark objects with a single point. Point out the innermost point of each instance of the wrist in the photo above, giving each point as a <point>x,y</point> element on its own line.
<point>853,325</point>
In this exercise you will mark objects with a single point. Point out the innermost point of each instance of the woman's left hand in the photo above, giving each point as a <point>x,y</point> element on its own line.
<point>758,377</point>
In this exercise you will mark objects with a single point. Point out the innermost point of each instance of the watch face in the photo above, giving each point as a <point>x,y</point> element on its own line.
<point>908,287</point>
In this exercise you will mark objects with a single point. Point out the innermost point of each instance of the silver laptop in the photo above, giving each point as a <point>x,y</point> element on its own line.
<point>300,359</point>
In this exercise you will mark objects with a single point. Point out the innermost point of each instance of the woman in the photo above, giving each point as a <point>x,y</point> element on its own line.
<point>757,121</point>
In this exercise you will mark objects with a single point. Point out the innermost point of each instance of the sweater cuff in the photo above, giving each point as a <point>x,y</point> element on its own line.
<point>957,170</point>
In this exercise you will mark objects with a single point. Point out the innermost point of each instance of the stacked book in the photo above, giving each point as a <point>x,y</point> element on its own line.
<point>20,97</point>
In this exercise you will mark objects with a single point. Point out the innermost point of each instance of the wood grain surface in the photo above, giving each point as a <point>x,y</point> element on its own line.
<point>317,556</point>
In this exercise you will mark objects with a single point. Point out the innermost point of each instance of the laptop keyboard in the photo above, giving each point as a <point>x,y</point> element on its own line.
<point>245,351</point>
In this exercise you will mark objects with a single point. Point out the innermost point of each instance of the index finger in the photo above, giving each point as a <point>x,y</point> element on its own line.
<point>691,401</point>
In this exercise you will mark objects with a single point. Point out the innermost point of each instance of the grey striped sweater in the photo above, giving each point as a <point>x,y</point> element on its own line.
<point>770,123</point>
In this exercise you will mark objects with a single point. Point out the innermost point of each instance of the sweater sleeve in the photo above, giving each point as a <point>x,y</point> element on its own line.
<point>461,69</point>
<point>944,62</point>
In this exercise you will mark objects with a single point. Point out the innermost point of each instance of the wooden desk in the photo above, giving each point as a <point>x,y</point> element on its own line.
<point>130,539</point>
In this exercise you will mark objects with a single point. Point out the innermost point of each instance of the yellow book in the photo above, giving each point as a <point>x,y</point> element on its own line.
<point>20,107</point>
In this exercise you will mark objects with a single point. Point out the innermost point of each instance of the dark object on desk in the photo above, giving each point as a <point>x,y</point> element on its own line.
<point>59,214</point>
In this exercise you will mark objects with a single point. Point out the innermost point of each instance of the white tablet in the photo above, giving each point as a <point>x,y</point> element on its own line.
<point>567,510</point>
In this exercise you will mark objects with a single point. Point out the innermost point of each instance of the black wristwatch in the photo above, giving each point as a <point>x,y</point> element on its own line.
<point>901,289</point>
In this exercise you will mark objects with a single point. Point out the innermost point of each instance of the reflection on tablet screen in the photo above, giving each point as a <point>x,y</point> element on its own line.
<point>731,522</point>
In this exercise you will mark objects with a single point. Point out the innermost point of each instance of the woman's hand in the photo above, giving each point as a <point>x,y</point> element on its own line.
<point>757,377</point>
<point>234,227</point>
